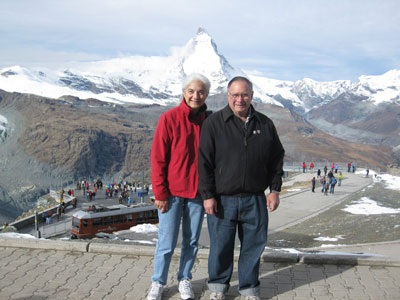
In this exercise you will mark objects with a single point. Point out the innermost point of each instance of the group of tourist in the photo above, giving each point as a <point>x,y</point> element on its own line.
<point>328,180</point>
<point>220,164</point>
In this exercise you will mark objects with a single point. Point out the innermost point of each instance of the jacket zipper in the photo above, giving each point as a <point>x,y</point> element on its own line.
<point>245,161</point>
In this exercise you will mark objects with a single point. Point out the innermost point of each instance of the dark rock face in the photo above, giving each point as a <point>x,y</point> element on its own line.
<point>85,141</point>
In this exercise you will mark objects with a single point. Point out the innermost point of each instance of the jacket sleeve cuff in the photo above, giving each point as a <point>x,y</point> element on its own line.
<point>162,196</point>
<point>207,195</point>
<point>276,185</point>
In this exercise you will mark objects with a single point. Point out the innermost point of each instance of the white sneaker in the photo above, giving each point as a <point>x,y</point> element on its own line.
<point>186,290</point>
<point>217,296</point>
<point>156,290</point>
<point>252,298</point>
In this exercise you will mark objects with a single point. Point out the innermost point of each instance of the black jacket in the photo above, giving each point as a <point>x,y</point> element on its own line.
<point>237,159</point>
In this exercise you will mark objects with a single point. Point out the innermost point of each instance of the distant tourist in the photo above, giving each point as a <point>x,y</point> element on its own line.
<point>304,166</point>
<point>348,167</point>
<point>313,184</point>
<point>332,182</point>
<point>312,167</point>
<point>59,212</point>
<point>73,202</point>
<point>319,173</point>
<point>323,181</point>
<point>340,178</point>
<point>367,173</point>
<point>326,188</point>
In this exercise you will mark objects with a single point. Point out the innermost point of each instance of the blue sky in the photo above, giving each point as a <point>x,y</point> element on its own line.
<point>287,39</point>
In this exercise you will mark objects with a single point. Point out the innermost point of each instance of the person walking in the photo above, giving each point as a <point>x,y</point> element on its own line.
<point>174,177</point>
<point>326,188</point>
<point>323,181</point>
<point>340,178</point>
<point>332,182</point>
<point>240,156</point>
<point>313,184</point>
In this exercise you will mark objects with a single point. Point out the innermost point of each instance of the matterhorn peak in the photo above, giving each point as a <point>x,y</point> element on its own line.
<point>201,55</point>
<point>202,30</point>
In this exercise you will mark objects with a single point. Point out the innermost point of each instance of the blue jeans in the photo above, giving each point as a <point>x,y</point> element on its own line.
<point>250,216</point>
<point>191,212</point>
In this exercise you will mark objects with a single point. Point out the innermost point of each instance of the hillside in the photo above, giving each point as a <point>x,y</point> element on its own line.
<point>51,143</point>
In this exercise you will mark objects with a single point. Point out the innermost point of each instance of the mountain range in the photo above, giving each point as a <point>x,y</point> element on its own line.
<point>157,80</point>
<point>98,118</point>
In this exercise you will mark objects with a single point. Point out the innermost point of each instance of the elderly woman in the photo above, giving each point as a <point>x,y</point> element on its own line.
<point>174,177</point>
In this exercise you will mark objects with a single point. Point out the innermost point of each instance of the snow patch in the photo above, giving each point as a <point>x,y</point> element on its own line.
<point>294,190</point>
<point>139,241</point>
<point>15,235</point>
<point>366,206</point>
<point>328,239</point>
<point>144,228</point>
<point>330,246</point>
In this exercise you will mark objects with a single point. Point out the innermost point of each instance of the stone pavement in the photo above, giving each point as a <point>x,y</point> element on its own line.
<point>56,269</point>
<point>61,269</point>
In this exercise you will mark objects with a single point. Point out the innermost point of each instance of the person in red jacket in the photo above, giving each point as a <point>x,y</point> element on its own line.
<point>304,166</point>
<point>174,177</point>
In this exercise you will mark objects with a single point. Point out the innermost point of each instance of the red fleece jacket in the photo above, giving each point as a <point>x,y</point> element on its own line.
<point>174,153</point>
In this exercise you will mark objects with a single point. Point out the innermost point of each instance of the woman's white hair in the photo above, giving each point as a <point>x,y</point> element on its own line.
<point>196,77</point>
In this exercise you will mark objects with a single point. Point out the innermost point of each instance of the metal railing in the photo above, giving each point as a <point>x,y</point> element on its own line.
<point>342,166</point>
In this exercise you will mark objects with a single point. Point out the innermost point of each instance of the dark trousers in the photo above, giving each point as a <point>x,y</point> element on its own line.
<point>248,215</point>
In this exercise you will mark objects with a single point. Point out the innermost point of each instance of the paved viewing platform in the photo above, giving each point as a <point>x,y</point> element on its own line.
<point>94,269</point>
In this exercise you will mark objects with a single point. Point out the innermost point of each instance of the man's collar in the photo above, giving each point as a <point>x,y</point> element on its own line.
<point>228,113</point>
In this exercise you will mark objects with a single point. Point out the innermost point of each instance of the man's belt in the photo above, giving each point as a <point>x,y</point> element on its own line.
<point>244,195</point>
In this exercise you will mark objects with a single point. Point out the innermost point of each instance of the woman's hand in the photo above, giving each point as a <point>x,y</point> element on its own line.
<point>162,205</point>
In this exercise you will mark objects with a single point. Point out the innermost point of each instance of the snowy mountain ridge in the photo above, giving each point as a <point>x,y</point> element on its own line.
<point>157,80</point>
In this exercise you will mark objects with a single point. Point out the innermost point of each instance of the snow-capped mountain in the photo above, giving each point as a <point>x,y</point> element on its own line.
<point>148,80</point>
<point>307,94</point>
<point>379,89</point>
<point>135,79</point>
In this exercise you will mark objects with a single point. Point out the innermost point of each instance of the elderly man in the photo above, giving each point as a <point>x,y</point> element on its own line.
<point>240,156</point>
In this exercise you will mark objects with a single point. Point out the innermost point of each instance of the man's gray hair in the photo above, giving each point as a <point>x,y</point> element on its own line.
<point>196,77</point>
<point>241,78</point>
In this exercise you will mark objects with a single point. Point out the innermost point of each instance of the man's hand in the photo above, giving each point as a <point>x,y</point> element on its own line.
<point>273,201</point>
<point>210,206</point>
<point>161,205</point>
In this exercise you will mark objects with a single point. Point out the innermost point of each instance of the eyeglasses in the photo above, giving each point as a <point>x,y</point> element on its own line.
<point>237,96</point>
